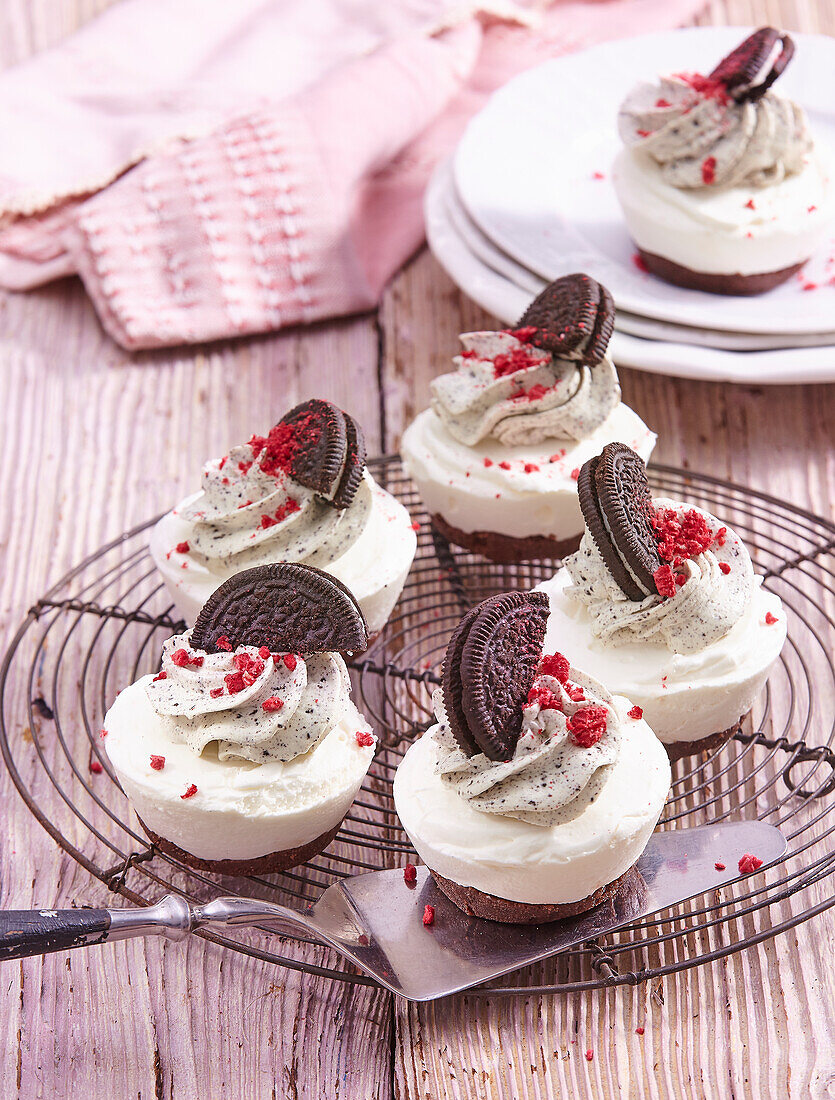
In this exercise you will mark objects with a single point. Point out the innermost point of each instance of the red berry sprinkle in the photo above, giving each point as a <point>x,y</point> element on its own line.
<point>639,1031</point>
<point>182,548</point>
<point>575,693</point>
<point>724,567</point>
<point>364,738</point>
<point>216,693</point>
<point>598,176</point>
<point>770,619</point>
<point>272,704</point>
<point>709,170</point>
<point>811,209</point>
<point>750,205</point>
<point>663,103</point>
<point>575,473</point>
<point>719,866</point>
<point>429,915</point>
<point>488,462</point>
<point>102,733</point>
<point>282,512</point>
<point>190,791</point>
<point>160,676</point>
<point>290,661</point>
<point>410,873</point>
<point>545,698</point>
<point>234,682</point>
<point>504,465</point>
<point>636,713</point>
<point>223,643</point>
<point>664,581</point>
<point>531,468</point>
<point>680,537</point>
<point>589,1055</point>
<point>518,359</point>
<point>639,262</point>
<point>95,766</point>
<point>264,653</point>
<point>587,725</point>
<point>182,658</point>
<point>554,664</point>
<point>643,133</point>
<point>748,864</point>
<point>157,762</point>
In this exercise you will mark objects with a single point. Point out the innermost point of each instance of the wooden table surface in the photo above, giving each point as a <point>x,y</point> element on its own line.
<point>96,440</point>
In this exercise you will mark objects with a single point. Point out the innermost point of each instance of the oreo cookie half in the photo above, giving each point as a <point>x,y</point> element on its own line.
<point>489,667</point>
<point>743,65</point>
<point>616,503</point>
<point>574,317</point>
<point>289,608</point>
<point>320,447</point>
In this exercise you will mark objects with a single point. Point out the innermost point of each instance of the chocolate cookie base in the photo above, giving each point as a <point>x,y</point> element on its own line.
<point>505,548</point>
<point>714,282</point>
<point>260,865</point>
<point>676,750</point>
<point>476,903</point>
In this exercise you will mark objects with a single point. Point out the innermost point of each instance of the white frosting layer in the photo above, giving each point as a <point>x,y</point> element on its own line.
<point>241,810</point>
<point>454,482</point>
<point>715,230</point>
<point>373,567</point>
<point>523,862</point>
<point>684,696</point>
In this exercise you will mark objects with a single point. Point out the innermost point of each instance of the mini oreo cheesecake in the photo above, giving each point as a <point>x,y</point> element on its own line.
<point>245,752</point>
<point>537,790</point>
<point>302,493</point>
<point>720,183</point>
<point>661,602</point>
<point>497,455</point>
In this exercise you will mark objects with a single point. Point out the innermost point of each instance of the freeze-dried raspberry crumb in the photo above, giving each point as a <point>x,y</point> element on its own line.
<point>724,567</point>
<point>234,682</point>
<point>271,704</point>
<point>222,462</point>
<point>524,334</point>
<point>161,676</point>
<point>95,767</point>
<point>264,653</point>
<point>811,209</point>
<point>410,873</point>
<point>290,661</point>
<point>157,762</point>
<point>598,176</point>
<point>639,262</point>
<point>680,537</point>
<point>643,133</point>
<point>245,663</point>
<point>190,791</point>
<point>663,103</point>
<point>364,738</point>
<point>182,659</point>
<point>587,725</point>
<point>589,1055</point>
<point>639,1031</point>
<point>282,512</point>
<point>416,526</point>
<point>748,864</point>
<point>244,467</point>
<point>429,915</point>
<point>556,665</point>
<point>770,619</point>
<point>182,547</point>
<point>719,866</point>
<point>531,468</point>
<point>636,713</point>
<point>750,205</point>
<point>216,693</point>
<point>504,465</point>
<point>488,462</point>
<point>102,733</point>
<point>664,581</point>
<point>575,473</point>
<point>518,359</point>
<point>535,393</point>
<point>709,170</point>
<point>545,698</point>
<point>223,643</point>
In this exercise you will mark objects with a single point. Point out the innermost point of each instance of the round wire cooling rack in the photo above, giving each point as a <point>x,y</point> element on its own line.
<point>102,626</point>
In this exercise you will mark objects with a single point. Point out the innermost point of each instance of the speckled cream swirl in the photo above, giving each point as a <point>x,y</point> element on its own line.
<point>549,780</point>
<point>701,138</point>
<point>248,704</point>
<point>519,394</point>
<point>702,610</point>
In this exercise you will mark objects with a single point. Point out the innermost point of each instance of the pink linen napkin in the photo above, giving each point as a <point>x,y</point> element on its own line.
<point>260,167</point>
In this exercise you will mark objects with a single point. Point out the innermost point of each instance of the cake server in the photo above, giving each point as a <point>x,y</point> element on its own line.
<point>376,920</point>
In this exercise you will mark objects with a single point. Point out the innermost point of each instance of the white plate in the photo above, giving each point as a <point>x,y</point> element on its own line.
<point>525,167</point>
<point>649,328</point>
<point>507,301</point>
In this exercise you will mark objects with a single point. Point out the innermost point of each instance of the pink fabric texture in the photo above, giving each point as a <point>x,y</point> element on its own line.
<point>205,214</point>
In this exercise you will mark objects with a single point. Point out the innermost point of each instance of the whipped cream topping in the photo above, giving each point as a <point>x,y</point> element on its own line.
<point>700,137</point>
<point>249,703</point>
<point>250,511</point>
<point>518,394</point>
<point>716,590</point>
<point>551,778</point>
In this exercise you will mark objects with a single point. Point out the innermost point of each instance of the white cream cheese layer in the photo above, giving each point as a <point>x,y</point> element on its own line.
<point>684,696</point>
<point>743,230</point>
<point>240,810</point>
<point>513,499</point>
<point>373,565</point>
<point>525,862</point>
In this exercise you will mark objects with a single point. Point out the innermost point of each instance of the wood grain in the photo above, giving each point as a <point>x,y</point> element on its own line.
<point>149,1020</point>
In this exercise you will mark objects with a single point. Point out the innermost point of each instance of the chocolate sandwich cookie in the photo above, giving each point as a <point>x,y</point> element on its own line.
<point>574,318</point>
<point>320,447</point>
<point>738,71</point>
<point>617,507</point>
<point>489,667</point>
<point>290,608</point>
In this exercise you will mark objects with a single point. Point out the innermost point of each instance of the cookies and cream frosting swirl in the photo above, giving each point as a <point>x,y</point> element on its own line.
<point>251,511</point>
<point>507,389</point>
<point>712,594</point>
<point>700,137</point>
<point>248,703</point>
<point>550,779</point>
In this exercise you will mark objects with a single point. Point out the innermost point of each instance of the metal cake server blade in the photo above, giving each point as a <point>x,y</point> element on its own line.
<point>375,919</point>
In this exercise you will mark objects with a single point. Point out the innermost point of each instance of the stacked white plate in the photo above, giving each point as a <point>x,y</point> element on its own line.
<point>527,197</point>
